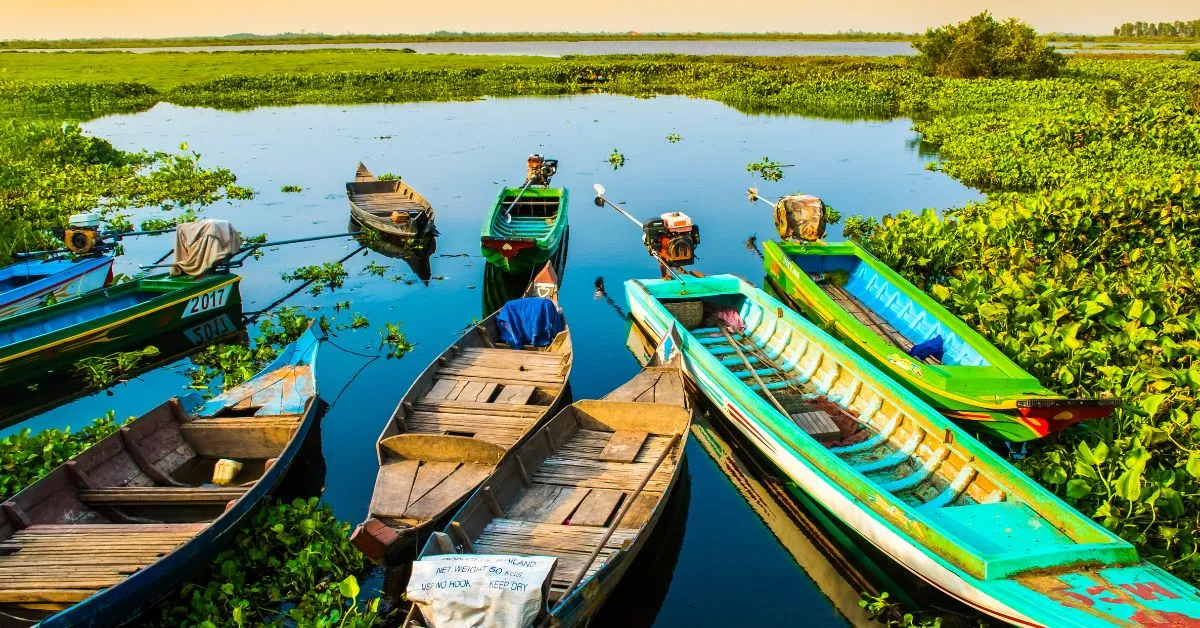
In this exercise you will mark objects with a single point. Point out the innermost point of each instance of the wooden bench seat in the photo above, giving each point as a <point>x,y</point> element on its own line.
<point>149,495</point>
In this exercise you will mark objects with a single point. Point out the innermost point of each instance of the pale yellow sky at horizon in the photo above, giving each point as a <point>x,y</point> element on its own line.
<point>52,19</point>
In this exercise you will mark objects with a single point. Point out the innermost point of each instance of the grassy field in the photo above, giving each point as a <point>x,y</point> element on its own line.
<point>166,70</point>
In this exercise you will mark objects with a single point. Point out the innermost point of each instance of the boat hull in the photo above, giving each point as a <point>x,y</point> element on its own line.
<point>997,397</point>
<point>73,280</point>
<point>191,303</point>
<point>1034,596</point>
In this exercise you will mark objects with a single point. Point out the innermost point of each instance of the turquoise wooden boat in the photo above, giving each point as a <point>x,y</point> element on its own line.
<point>903,476</point>
<point>30,284</point>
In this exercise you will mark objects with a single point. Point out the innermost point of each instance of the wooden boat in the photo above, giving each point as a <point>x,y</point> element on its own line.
<point>390,207</point>
<point>108,320</point>
<point>534,235</point>
<point>122,524</point>
<point>906,478</point>
<point>588,489</point>
<point>880,315</point>
<point>475,402</point>
<point>30,284</point>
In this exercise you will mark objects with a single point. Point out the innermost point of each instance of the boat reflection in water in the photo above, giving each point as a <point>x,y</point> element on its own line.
<point>501,286</point>
<point>416,252</point>
<point>31,398</point>
<point>836,560</point>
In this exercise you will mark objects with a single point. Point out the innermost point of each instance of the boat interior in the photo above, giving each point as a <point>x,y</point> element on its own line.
<point>49,320</point>
<point>477,401</point>
<point>533,215</point>
<point>566,486</point>
<point>381,198</point>
<point>145,490</point>
<point>953,486</point>
<point>883,307</point>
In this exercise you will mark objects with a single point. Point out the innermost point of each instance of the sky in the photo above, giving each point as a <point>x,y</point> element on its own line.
<point>51,19</point>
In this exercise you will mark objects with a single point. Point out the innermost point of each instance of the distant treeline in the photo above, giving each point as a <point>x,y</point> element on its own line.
<point>1178,29</point>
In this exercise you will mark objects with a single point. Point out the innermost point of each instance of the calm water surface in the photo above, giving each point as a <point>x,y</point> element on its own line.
<point>717,564</point>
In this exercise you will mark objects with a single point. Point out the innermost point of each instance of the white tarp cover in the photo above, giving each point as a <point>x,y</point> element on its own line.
<point>480,590</point>
<point>200,244</point>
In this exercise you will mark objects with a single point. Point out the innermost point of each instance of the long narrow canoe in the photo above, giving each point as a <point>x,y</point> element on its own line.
<point>881,315</point>
<point>577,480</point>
<point>122,524</point>
<point>391,207</point>
<point>473,404</point>
<point>31,284</point>
<point>109,320</point>
<point>534,234</point>
<point>903,476</point>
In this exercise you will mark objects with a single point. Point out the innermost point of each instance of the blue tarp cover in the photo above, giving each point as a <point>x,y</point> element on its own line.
<point>530,321</point>
<point>931,347</point>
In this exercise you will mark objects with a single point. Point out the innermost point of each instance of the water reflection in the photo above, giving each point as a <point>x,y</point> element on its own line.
<point>500,287</point>
<point>55,389</point>
<point>416,252</point>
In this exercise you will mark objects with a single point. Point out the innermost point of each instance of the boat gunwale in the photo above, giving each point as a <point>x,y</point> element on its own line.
<point>49,282</point>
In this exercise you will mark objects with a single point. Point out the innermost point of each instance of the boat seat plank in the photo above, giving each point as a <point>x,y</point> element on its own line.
<point>492,408</point>
<point>818,424</point>
<point>545,357</point>
<point>392,487</point>
<point>499,375</point>
<point>518,361</point>
<point>516,394</point>
<point>429,475</point>
<point>476,391</point>
<point>641,510</point>
<point>454,487</point>
<point>141,495</point>
<point>596,508</point>
<point>547,503</point>
<point>441,388</point>
<point>623,446</point>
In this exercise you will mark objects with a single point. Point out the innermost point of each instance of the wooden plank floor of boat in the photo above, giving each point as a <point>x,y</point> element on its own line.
<point>483,393</point>
<point>64,564</point>
<point>572,497</point>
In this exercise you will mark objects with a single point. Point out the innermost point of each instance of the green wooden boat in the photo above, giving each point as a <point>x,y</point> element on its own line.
<point>880,315</point>
<point>534,235</point>
<point>905,477</point>
<point>109,320</point>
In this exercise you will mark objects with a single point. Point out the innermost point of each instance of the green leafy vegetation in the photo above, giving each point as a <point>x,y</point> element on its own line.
<point>50,171</point>
<point>616,159</point>
<point>983,47</point>
<point>291,188</point>
<point>327,276</point>
<point>1192,55</point>
<point>374,268</point>
<point>674,138</point>
<point>394,340</point>
<point>25,457</point>
<point>102,371</point>
<point>767,169</point>
<point>296,553</point>
<point>388,176</point>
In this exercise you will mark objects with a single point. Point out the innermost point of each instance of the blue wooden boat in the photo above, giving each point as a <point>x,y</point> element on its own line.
<point>115,529</point>
<point>31,284</point>
<point>903,476</point>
